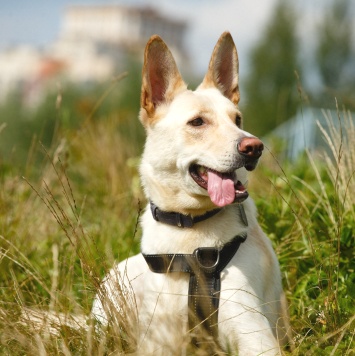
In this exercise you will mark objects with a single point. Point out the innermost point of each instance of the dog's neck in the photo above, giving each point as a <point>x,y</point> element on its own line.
<point>216,231</point>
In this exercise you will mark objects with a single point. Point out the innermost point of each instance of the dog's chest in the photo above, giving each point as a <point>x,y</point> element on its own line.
<point>165,297</point>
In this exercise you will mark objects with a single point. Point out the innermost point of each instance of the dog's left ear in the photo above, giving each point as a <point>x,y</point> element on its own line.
<point>223,70</point>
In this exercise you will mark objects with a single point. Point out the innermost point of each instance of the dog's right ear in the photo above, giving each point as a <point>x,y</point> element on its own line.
<point>161,79</point>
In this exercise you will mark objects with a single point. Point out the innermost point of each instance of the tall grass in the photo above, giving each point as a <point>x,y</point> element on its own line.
<point>308,211</point>
<point>60,234</point>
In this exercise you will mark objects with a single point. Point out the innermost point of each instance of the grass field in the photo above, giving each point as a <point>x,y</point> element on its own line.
<point>63,228</point>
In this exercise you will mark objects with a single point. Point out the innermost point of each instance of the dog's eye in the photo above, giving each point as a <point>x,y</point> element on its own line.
<point>238,120</point>
<point>196,122</point>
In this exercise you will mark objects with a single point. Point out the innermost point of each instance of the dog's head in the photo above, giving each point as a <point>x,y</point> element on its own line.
<point>196,154</point>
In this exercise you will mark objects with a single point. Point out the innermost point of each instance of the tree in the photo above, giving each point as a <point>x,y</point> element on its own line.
<point>335,53</point>
<point>271,87</point>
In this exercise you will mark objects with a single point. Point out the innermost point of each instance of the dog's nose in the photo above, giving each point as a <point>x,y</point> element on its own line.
<point>251,147</point>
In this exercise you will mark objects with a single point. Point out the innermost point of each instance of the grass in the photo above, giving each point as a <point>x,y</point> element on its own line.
<point>61,232</point>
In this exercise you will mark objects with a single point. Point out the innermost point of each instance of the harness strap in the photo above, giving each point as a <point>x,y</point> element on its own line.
<point>204,265</point>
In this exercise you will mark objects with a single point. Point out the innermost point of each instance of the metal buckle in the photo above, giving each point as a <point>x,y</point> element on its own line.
<point>243,216</point>
<point>155,209</point>
<point>197,254</point>
<point>184,220</point>
<point>179,222</point>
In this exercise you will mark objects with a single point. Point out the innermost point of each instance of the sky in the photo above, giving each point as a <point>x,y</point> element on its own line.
<point>37,22</point>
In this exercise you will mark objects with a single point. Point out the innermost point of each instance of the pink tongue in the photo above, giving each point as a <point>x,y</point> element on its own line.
<point>221,189</point>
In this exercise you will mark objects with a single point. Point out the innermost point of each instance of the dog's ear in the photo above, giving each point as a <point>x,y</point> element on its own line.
<point>161,79</point>
<point>223,70</point>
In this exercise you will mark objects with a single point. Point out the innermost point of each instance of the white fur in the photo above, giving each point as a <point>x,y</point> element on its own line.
<point>252,317</point>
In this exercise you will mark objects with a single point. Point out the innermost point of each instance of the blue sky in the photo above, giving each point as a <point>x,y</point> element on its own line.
<point>37,22</point>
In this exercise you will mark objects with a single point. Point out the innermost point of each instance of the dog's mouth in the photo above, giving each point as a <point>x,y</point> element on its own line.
<point>223,188</point>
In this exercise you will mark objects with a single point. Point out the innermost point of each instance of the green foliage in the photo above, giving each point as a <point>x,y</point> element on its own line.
<point>271,86</point>
<point>62,109</point>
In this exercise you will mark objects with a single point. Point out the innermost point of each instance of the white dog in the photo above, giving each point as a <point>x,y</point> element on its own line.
<point>193,169</point>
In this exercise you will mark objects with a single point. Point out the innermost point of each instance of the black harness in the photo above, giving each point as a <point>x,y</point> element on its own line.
<point>204,265</point>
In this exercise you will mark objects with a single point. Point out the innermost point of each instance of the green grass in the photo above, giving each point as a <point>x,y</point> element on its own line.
<point>62,229</point>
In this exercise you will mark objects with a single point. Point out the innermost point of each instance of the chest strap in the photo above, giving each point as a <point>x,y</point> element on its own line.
<point>204,265</point>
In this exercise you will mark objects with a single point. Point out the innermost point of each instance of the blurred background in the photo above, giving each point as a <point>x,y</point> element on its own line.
<point>58,61</point>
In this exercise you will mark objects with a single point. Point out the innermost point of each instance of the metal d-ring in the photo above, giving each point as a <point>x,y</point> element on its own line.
<point>199,262</point>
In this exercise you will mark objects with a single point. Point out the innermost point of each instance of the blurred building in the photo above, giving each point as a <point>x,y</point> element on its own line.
<point>94,44</point>
<point>17,66</point>
<point>120,25</point>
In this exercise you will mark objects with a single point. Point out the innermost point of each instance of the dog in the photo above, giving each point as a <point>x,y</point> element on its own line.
<point>194,172</point>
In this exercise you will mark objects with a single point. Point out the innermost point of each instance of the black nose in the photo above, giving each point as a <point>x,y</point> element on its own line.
<point>250,147</point>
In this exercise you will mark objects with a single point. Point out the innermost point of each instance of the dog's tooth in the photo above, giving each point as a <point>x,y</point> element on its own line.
<point>201,170</point>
